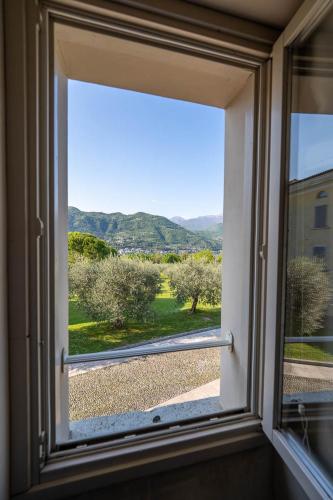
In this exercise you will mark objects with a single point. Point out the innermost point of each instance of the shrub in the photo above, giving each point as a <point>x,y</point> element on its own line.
<point>196,280</point>
<point>139,256</point>
<point>219,259</point>
<point>170,258</point>
<point>156,258</point>
<point>116,290</point>
<point>308,294</point>
<point>89,246</point>
<point>82,275</point>
<point>204,255</point>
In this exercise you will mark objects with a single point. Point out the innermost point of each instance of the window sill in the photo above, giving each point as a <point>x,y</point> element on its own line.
<point>98,467</point>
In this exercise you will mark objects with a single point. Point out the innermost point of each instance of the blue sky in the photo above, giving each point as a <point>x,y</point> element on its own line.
<point>311,144</point>
<point>131,152</point>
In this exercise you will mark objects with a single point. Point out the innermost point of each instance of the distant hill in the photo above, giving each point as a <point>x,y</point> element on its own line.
<point>198,223</point>
<point>214,232</point>
<point>138,231</point>
<point>209,227</point>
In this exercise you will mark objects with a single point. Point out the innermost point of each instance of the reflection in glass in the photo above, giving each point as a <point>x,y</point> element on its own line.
<point>307,409</point>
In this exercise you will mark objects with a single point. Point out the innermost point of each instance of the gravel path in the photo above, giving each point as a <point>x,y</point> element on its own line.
<point>140,383</point>
<point>293,384</point>
<point>137,384</point>
<point>185,338</point>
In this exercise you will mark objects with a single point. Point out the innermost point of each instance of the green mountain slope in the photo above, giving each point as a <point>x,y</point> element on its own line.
<point>214,232</point>
<point>138,231</point>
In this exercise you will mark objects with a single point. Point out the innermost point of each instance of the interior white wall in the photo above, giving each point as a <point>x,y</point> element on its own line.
<point>239,119</point>
<point>4,401</point>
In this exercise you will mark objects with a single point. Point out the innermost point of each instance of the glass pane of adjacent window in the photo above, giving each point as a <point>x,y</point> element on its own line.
<point>307,408</point>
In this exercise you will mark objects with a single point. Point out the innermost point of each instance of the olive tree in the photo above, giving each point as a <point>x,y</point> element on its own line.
<point>115,289</point>
<point>197,281</point>
<point>308,294</point>
<point>82,275</point>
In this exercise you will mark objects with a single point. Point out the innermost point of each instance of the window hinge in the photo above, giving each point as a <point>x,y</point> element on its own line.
<point>263,252</point>
<point>42,446</point>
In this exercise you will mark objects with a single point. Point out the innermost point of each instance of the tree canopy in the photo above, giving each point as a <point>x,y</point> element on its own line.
<point>171,258</point>
<point>204,255</point>
<point>88,246</point>
<point>114,290</point>
<point>196,280</point>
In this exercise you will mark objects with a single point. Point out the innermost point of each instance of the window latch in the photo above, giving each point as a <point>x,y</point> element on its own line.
<point>230,338</point>
<point>263,252</point>
<point>39,227</point>
<point>42,444</point>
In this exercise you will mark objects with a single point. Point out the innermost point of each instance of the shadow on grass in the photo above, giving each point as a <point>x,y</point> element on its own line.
<point>169,318</point>
<point>165,305</point>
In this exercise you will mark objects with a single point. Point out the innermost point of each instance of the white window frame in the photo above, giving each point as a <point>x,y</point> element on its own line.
<point>308,474</point>
<point>27,36</point>
<point>243,401</point>
<point>248,401</point>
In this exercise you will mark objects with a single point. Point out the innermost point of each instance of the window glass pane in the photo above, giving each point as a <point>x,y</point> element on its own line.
<point>319,252</point>
<point>320,216</point>
<point>308,352</point>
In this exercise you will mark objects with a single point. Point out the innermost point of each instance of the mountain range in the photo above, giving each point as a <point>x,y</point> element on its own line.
<point>198,223</point>
<point>209,227</point>
<point>141,231</point>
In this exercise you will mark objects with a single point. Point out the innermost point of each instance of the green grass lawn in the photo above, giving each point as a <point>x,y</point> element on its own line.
<point>313,352</point>
<point>168,318</point>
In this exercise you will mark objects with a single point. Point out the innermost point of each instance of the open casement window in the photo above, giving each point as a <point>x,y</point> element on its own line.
<point>298,392</point>
<point>82,54</point>
<point>48,444</point>
<point>277,252</point>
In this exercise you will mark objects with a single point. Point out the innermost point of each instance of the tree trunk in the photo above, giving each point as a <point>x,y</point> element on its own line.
<point>119,323</point>
<point>194,305</point>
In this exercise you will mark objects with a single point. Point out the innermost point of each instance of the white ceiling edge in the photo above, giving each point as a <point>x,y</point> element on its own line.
<point>112,61</point>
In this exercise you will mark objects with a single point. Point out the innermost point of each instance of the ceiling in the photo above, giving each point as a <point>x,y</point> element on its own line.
<point>275,13</point>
